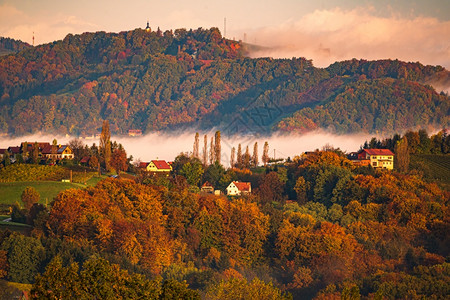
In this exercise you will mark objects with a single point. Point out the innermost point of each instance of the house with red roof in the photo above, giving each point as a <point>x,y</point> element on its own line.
<point>207,187</point>
<point>156,166</point>
<point>377,158</point>
<point>57,152</point>
<point>238,188</point>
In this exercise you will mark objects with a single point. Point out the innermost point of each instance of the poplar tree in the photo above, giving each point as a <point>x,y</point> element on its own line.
<point>255,155</point>
<point>232,157</point>
<point>105,145</point>
<point>205,150</point>
<point>211,152</point>
<point>265,155</point>
<point>239,157</point>
<point>196,146</point>
<point>217,148</point>
<point>247,158</point>
<point>401,159</point>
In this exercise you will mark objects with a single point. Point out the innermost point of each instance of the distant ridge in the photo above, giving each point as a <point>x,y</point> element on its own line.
<point>181,79</point>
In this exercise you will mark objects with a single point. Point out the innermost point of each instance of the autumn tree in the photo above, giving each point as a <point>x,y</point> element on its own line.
<point>93,162</point>
<point>78,148</point>
<point>271,188</point>
<point>205,150</point>
<point>30,196</point>
<point>233,157</point>
<point>119,160</point>
<point>195,150</point>
<point>247,158</point>
<point>217,148</point>
<point>54,149</point>
<point>265,155</point>
<point>255,155</point>
<point>240,159</point>
<point>402,155</point>
<point>105,145</point>
<point>212,152</point>
<point>35,154</point>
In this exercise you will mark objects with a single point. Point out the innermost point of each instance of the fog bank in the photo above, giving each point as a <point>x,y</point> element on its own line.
<point>168,146</point>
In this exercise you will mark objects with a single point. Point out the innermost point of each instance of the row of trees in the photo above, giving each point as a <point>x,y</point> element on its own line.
<point>239,160</point>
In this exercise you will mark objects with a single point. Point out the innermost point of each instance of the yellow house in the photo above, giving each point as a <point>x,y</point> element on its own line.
<point>156,166</point>
<point>62,152</point>
<point>379,158</point>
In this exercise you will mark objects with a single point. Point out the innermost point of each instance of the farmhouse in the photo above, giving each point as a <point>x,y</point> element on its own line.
<point>207,187</point>
<point>57,152</point>
<point>237,188</point>
<point>156,166</point>
<point>377,158</point>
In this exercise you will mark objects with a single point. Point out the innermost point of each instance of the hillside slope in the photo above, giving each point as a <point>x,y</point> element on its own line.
<point>181,79</point>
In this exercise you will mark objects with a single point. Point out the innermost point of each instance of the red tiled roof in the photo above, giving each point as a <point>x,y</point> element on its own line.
<point>242,186</point>
<point>161,164</point>
<point>378,151</point>
<point>14,150</point>
<point>143,164</point>
<point>47,149</point>
<point>85,160</point>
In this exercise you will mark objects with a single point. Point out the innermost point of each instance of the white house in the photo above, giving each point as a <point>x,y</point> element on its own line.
<point>237,188</point>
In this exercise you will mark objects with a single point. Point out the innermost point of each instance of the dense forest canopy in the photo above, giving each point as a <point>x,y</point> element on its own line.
<point>183,78</point>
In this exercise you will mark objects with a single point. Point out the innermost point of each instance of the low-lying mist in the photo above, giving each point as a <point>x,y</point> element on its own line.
<point>168,145</point>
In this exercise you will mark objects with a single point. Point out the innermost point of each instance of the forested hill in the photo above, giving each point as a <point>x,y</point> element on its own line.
<point>8,46</point>
<point>185,78</point>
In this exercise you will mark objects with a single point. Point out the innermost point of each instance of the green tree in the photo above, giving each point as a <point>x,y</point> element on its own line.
<point>192,171</point>
<point>29,197</point>
<point>6,158</point>
<point>25,256</point>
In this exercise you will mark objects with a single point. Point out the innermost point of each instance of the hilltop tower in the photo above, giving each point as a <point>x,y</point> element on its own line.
<point>148,29</point>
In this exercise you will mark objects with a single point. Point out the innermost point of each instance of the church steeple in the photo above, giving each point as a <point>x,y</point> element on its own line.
<point>148,29</point>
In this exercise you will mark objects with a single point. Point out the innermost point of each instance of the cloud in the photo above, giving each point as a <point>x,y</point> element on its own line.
<point>332,35</point>
<point>47,28</point>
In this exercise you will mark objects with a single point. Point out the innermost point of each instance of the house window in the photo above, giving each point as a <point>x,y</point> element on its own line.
<point>374,164</point>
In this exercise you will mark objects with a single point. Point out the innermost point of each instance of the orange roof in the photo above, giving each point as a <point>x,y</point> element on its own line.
<point>378,151</point>
<point>207,184</point>
<point>161,164</point>
<point>242,186</point>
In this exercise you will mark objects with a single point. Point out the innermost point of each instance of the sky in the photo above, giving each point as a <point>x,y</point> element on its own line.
<point>323,30</point>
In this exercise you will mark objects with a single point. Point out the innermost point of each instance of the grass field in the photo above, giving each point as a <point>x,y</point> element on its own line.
<point>10,191</point>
